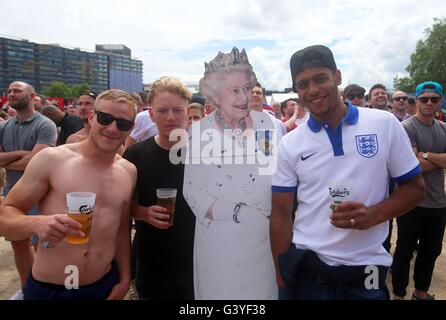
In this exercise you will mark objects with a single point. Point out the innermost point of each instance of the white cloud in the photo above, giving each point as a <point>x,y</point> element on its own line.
<point>372,41</point>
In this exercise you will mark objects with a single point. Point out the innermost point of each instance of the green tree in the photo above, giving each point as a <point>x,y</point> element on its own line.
<point>428,62</point>
<point>77,89</point>
<point>61,90</point>
<point>405,84</point>
<point>57,89</point>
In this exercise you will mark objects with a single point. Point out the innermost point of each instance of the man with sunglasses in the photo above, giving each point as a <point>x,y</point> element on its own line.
<point>411,108</point>
<point>426,222</point>
<point>398,108</point>
<point>399,105</point>
<point>85,105</point>
<point>100,268</point>
<point>354,94</point>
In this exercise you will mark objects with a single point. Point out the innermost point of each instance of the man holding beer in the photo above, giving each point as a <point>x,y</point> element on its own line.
<point>164,252</point>
<point>350,153</point>
<point>99,268</point>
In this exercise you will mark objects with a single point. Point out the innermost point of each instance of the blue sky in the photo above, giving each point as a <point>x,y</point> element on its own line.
<point>371,40</point>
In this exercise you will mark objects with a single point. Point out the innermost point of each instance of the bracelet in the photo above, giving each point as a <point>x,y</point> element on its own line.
<point>236,212</point>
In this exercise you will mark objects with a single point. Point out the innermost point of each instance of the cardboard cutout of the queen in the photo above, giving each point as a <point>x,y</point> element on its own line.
<point>227,184</point>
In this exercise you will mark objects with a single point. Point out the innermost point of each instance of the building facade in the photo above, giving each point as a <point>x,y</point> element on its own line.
<point>41,64</point>
<point>125,73</point>
<point>17,61</point>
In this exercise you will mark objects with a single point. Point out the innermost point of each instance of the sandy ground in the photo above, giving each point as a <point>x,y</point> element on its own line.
<point>9,280</point>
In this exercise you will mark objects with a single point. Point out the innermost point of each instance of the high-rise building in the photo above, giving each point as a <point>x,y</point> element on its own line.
<point>41,64</point>
<point>70,66</point>
<point>17,61</point>
<point>124,72</point>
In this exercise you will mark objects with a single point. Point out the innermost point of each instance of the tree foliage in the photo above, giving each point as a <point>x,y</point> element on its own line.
<point>77,89</point>
<point>61,90</point>
<point>428,62</point>
<point>404,84</point>
<point>57,89</point>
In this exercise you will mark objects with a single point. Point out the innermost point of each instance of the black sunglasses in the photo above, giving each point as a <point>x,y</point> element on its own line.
<point>106,119</point>
<point>426,99</point>
<point>355,96</point>
<point>400,98</point>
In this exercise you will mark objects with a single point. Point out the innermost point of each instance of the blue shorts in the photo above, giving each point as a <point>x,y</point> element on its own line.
<point>33,212</point>
<point>99,290</point>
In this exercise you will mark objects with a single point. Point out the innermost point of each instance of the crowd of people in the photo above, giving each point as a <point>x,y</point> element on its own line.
<point>289,201</point>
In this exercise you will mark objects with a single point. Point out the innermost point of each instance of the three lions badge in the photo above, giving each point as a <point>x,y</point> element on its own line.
<point>367,145</point>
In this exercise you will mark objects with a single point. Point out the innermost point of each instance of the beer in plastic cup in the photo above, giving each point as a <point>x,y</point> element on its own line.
<point>340,191</point>
<point>166,199</point>
<point>80,208</point>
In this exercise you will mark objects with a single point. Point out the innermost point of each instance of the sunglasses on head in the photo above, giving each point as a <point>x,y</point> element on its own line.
<point>426,99</point>
<point>355,96</point>
<point>400,98</point>
<point>106,119</point>
<point>88,93</point>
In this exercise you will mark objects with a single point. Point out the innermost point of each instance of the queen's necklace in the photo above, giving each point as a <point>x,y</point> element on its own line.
<point>236,132</point>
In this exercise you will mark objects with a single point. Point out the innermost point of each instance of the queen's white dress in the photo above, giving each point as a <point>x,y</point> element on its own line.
<point>232,252</point>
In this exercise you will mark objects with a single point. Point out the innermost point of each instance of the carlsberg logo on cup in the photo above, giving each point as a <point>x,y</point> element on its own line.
<point>340,191</point>
<point>85,209</point>
<point>81,202</point>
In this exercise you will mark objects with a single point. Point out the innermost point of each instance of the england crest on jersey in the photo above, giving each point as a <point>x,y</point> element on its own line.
<point>367,145</point>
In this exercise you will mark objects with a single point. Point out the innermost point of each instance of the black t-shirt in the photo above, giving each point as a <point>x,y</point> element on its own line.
<point>69,125</point>
<point>164,258</point>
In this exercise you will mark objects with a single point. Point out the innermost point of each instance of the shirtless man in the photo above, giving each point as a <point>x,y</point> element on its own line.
<point>103,263</point>
<point>85,105</point>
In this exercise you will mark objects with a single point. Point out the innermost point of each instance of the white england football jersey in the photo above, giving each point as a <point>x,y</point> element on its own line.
<point>367,149</point>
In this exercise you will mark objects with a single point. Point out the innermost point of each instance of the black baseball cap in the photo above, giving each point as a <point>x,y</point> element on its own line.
<point>316,56</point>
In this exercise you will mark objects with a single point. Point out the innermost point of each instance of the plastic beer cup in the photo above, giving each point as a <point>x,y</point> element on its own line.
<point>80,208</point>
<point>166,199</point>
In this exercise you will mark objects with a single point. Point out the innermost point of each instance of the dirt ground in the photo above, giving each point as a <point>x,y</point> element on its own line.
<point>9,280</point>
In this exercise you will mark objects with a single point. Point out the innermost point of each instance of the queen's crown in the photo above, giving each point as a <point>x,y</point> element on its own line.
<point>223,60</point>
